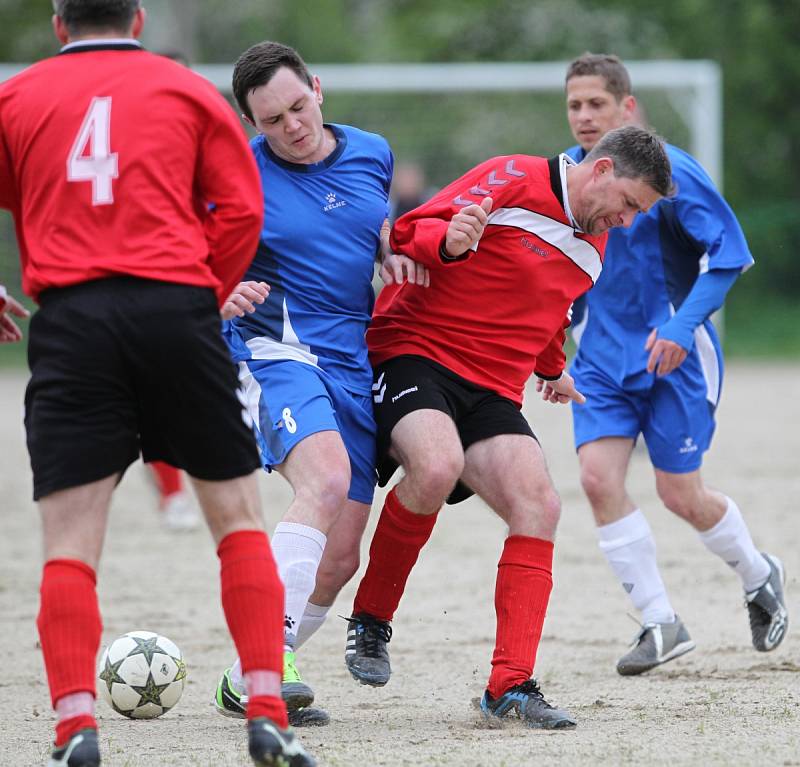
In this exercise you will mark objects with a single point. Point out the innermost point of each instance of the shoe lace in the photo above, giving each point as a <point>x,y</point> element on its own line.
<point>531,688</point>
<point>375,634</point>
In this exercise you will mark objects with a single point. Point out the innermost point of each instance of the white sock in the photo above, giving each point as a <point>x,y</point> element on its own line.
<point>313,617</point>
<point>631,551</point>
<point>730,540</point>
<point>297,550</point>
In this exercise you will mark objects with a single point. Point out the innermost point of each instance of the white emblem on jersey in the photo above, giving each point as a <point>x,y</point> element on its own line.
<point>379,390</point>
<point>332,202</point>
<point>688,446</point>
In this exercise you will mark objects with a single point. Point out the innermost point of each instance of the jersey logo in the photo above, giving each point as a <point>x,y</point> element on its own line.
<point>538,249</point>
<point>484,188</point>
<point>688,446</point>
<point>332,202</point>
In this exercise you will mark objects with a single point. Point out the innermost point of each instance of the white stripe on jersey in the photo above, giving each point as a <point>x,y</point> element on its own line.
<point>561,236</point>
<point>709,363</point>
<point>290,347</point>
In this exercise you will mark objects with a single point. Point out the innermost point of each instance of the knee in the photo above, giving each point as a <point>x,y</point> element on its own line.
<point>326,494</point>
<point>433,477</point>
<point>596,484</point>
<point>334,573</point>
<point>549,509</point>
<point>679,502</point>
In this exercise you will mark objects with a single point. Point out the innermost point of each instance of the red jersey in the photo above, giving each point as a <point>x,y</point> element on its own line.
<point>109,159</point>
<point>497,314</point>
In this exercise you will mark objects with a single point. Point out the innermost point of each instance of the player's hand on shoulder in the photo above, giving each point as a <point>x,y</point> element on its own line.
<point>244,298</point>
<point>396,269</point>
<point>665,355</point>
<point>9,331</point>
<point>561,391</point>
<point>466,227</point>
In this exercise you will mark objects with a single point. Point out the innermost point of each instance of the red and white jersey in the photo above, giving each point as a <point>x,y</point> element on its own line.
<point>497,315</point>
<point>115,161</point>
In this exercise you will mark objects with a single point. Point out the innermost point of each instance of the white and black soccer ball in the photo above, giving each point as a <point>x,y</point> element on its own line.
<point>141,674</point>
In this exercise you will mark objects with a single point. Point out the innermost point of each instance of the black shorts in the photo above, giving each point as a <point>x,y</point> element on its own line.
<point>124,364</point>
<point>407,383</point>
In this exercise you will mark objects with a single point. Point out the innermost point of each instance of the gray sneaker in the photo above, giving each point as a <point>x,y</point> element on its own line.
<point>769,619</point>
<point>655,644</point>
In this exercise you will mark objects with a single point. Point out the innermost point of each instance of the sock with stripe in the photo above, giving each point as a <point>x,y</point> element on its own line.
<point>252,599</point>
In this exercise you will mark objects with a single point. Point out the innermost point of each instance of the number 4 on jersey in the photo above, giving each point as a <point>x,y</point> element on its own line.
<point>91,158</point>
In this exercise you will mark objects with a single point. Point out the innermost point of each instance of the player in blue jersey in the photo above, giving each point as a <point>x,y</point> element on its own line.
<point>649,362</point>
<point>297,332</point>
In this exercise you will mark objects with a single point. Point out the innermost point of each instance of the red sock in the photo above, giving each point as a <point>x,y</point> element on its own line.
<point>252,599</point>
<point>66,728</point>
<point>522,591</point>
<point>168,478</point>
<point>398,539</point>
<point>69,626</point>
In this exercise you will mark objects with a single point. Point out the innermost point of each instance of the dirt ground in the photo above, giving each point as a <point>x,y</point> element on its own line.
<point>722,704</point>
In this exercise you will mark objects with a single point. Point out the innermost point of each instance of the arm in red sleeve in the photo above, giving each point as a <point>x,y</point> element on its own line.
<point>550,363</point>
<point>228,176</point>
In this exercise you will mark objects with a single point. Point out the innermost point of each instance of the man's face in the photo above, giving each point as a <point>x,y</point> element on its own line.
<point>609,201</point>
<point>288,113</point>
<point>592,111</point>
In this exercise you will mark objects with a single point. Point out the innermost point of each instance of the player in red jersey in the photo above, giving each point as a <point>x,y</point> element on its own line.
<point>9,330</point>
<point>109,156</point>
<point>509,246</point>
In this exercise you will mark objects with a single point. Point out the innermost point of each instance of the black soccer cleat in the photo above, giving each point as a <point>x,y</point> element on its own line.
<point>80,751</point>
<point>527,701</point>
<point>271,746</point>
<point>366,654</point>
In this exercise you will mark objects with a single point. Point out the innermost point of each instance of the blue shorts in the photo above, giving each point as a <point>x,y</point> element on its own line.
<point>291,400</point>
<point>673,414</point>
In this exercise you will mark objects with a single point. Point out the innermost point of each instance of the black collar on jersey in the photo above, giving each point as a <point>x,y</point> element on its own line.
<point>314,167</point>
<point>98,45</point>
<point>554,166</point>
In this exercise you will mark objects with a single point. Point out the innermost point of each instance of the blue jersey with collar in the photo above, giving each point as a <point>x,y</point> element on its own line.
<point>317,251</point>
<point>649,270</point>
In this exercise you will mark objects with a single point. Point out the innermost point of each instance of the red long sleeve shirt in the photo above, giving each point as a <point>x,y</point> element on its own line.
<point>109,158</point>
<point>497,315</point>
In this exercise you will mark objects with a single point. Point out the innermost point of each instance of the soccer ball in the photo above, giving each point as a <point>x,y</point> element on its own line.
<point>141,674</point>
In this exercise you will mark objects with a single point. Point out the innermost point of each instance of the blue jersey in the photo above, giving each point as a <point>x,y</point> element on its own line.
<point>317,253</point>
<point>649,270</point>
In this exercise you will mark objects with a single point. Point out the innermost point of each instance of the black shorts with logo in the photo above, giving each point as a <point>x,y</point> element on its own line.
<point>407,383</point>
<point>124,365</point>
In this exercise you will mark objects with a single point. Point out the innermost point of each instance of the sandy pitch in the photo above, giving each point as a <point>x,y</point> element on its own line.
<point>722,704</point>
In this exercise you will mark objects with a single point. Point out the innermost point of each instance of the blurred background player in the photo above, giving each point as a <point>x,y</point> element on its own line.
<point>451,364</point>
<point>121,252</point>
<point>10,308</point>
<point>409,189</point>
<point>650,363</point>
<point>300,343</point>
<point>175,503</point>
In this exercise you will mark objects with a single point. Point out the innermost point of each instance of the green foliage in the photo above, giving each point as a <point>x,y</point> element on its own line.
<point>756,43</point>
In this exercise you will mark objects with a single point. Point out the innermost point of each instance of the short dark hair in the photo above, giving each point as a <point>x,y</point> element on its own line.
<point>258,65</point>
<point>637,153</point>
<point>605,65</point>
<point>81,16</point>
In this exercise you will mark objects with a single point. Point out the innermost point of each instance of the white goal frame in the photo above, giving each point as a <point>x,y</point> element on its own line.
<point>694,88</point>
